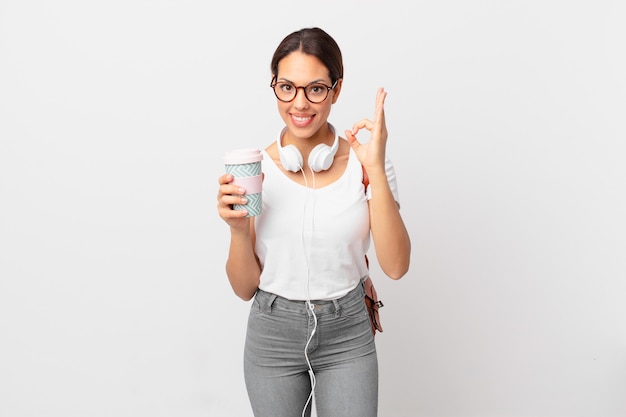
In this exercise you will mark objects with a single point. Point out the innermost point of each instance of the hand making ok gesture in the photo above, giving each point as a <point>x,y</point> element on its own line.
<point>372,153</point>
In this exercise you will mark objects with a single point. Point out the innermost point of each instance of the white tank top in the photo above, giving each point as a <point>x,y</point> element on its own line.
<point>312,236</point>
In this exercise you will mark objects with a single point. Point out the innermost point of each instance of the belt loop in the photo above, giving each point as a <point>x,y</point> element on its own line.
<point>337,308</point>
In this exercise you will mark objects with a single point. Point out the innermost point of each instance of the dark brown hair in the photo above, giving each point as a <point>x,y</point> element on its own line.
<point>315,42</point>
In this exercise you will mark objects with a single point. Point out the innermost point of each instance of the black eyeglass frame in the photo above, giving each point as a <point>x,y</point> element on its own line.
<point>275,82</point>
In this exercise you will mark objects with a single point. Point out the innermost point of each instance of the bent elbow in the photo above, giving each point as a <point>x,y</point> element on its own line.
<point>397,274</point>
<point>245,296</point>
<point>245,293</point>
<point>397,271</point>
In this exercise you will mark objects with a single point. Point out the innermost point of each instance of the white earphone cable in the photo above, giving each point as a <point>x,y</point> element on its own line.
<point>307,257</point>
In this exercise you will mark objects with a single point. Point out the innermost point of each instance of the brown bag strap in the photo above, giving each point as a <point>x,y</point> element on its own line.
<point>371,298</point>
<point>366,182</point>
<point>366,179</point>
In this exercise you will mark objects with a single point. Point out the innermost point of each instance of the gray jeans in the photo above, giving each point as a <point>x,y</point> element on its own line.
<point>342,354</point>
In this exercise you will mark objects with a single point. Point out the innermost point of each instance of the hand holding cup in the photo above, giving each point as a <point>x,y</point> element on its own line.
<point>240,188</point>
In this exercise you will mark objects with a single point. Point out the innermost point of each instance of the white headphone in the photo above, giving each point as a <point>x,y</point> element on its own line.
<point>320,158</point>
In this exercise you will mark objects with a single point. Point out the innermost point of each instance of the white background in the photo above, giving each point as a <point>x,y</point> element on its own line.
<point>507,130</point>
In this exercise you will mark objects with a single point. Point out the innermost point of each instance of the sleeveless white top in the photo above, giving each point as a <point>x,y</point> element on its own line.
<point>311,243</point>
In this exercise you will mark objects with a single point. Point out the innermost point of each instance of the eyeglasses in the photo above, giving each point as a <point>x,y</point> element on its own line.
<point>314,92</point>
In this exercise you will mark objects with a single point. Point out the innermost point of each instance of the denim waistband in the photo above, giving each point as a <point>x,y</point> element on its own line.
<point>269,301</point>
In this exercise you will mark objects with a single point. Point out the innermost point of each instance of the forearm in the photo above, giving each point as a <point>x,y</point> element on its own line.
<point>389,234</point>
<point>242,267</point>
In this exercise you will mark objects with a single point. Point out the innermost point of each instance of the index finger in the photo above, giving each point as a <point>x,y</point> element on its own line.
<point>361,124</point>
<point>225,179</point>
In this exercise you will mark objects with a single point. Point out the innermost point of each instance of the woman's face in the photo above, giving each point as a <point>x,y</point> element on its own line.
<point>302,117</point>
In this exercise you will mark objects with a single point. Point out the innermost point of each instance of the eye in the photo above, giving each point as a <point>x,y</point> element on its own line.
<point>316,89</point>
<point>285,87</point>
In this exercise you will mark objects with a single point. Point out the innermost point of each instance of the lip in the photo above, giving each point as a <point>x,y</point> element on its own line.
<point>301,120</point>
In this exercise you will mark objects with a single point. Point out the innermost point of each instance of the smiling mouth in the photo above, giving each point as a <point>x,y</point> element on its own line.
<point>301,120</point>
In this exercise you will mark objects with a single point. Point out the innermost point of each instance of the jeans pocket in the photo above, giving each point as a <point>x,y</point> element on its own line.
<point>262,303</point>
<point>355,309</point>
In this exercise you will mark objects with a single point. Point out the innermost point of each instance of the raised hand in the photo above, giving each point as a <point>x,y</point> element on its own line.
<point>372,153</point>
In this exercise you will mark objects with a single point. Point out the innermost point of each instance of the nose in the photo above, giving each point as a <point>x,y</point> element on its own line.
<point>300,100</point>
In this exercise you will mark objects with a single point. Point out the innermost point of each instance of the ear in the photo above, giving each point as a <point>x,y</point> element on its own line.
<point>337,90</point>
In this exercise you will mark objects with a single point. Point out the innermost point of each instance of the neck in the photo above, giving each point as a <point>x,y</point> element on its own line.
<point>324,135</point>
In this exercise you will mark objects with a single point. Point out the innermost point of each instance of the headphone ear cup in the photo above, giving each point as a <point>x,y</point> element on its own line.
<point>321,158</point>
<point>290,158</point>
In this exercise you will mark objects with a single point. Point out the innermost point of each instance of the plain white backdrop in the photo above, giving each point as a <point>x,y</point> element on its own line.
<point>506,128</point>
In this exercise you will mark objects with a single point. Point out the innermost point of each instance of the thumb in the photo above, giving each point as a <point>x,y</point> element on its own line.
<point>352,140</point>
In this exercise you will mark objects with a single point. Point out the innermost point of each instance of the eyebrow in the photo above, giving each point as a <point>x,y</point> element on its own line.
<point>319,80</point>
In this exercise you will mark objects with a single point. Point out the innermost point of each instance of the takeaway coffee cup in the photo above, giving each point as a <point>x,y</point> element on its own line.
<point>245,166</point>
